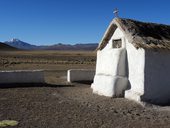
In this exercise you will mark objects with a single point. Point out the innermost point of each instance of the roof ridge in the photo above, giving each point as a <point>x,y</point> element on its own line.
<point>155,35</point>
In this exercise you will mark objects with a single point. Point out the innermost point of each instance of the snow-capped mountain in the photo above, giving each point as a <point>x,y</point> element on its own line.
<point>26,46</point>
<point>20,44</point>
<point>5,47</point>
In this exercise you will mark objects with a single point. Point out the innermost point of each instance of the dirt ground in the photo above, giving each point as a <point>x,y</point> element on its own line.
<point>59,104</point>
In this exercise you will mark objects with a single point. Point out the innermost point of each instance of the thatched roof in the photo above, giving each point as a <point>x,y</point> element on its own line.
<point>140,34</point>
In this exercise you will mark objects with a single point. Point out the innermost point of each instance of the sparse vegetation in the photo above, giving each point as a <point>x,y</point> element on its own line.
<point>7,123</point>
<point>46,57</point>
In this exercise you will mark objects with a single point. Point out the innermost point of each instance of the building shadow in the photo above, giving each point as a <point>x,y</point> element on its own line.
<point>157,78</point>
<point>127,72</point>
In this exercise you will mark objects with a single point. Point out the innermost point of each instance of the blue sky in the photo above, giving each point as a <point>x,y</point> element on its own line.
<point>45,22</point>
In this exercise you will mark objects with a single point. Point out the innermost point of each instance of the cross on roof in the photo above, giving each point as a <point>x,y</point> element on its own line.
<point>116,12</point>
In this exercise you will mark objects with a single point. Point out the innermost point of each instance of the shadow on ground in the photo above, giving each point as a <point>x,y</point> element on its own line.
<point>83,82</point>
<point>26,85</point>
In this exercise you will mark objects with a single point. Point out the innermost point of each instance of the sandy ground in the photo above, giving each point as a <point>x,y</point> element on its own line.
<point>59,104</point>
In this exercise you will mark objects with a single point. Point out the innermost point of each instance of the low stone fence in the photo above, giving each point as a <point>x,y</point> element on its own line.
<point>22,76</point>
<point>75,75</point>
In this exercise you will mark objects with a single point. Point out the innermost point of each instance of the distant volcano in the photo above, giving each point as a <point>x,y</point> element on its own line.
<point>20,44</point>
<point>5,47</point>
<point>26,46</point>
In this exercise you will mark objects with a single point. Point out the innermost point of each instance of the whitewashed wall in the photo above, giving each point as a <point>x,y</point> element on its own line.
<point>110,78</point>
<point>74,75</point>
<point>136,67</point>
<point>136,70</point>
<point>21,76</point>
<point>157,77</point>
<point>149,75</point>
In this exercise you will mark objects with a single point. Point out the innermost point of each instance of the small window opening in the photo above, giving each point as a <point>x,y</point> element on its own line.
<point>117,43</point>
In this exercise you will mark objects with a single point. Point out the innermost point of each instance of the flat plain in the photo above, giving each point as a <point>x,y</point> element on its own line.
<point>58,104</point>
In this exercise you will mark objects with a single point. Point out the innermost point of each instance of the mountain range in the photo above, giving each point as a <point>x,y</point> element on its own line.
<point>20,44</point>
<point>27,46</point>
<point>4,47</point>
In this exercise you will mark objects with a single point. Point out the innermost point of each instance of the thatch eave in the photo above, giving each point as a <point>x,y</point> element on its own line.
<point>140,34</point>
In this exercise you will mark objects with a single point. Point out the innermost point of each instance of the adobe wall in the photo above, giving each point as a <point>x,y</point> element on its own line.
<point>110,78</point>
<point>149,76</point>
<point>136,67</point>
<point>136,70</point>
<point>74,75</point>
<point>21,76</point>
<point>157,77</point>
